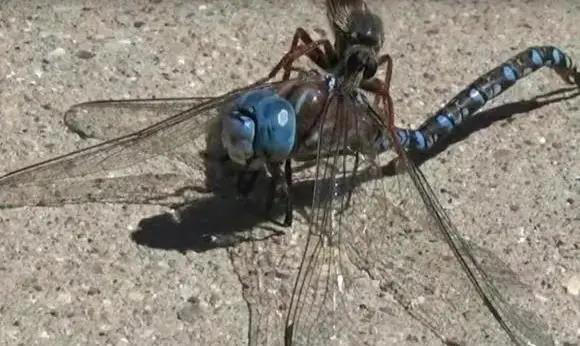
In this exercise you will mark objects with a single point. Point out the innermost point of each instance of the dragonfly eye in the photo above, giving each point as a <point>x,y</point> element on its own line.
<point>238,133</point>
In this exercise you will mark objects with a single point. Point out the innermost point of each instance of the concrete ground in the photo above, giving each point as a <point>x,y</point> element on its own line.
<point>76,275</point>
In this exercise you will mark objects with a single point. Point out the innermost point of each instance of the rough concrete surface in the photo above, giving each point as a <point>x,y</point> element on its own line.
<point>74,275</point>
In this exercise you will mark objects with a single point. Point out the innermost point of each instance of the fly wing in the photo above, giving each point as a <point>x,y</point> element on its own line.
<point>339,12</point>
<point>378,265</point>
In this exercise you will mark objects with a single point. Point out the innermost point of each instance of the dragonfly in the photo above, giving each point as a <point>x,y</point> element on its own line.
<point>351,251</point>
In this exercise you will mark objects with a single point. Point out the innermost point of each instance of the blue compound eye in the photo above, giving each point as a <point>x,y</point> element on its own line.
<point>261,126</point>
<point>276,128</point>
<point>238,133</point>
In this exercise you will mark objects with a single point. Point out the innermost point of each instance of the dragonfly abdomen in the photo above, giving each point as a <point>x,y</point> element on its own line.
<point>471,99</point>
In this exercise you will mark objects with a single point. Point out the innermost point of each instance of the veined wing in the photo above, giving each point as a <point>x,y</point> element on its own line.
<point>109,119</point>
<point>106,120</point>
<point>48,183</point>
<point>379,252</point>
<point>339,12</point>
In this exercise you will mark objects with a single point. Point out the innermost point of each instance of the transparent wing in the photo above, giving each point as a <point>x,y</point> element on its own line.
<point>115,118</point>
<point>267,272</point>
<point>106,120</point>
<point>383,264</point>
<point>48,182</point>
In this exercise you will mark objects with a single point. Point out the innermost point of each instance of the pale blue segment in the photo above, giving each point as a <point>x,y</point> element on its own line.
<point>509,73</point>
<point>444,122</point>
<point>557,55</point>
<point>476,96</point>
<point>403,138</point>
<point>536,58</point>
<point>420,140</point>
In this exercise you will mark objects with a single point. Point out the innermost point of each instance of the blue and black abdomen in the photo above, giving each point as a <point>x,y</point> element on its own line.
<point>485,88</point>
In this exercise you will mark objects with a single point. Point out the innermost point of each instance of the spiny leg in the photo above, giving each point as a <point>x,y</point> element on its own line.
<point>289,58</point>
<point>477,94</point>
<point>381,90</point>
<point>324,59</point>
<point>376,85</point>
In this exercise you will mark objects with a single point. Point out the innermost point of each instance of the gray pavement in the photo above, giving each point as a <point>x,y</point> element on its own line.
<point>73,275</point>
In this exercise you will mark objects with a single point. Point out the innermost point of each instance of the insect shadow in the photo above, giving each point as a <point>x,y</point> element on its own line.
<point>220,220</point>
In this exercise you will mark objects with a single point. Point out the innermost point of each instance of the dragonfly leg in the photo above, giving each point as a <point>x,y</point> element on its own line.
<point>289,201</point>
<point>284,185</point>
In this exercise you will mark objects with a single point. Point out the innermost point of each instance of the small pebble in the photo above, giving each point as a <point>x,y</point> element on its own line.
<point>572,285</point>
<point>57,52</point>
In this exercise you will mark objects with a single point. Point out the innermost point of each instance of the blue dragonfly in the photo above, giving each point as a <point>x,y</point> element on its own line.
<point>365,235</point>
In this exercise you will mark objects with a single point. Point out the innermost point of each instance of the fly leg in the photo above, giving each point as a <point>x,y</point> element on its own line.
<point>324,59</point>
<point>381,90</point>
<point>377,86</point>
<point>284,185</point>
